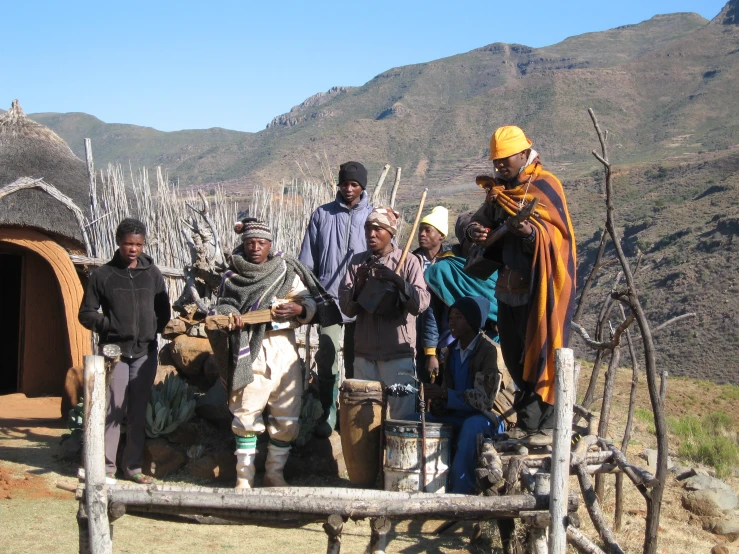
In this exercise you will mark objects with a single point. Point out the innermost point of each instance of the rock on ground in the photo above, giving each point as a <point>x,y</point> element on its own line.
<point>190,353</point>
<point>700,482</point>
<point>220,465</point>
<point>163,371</point>
<point>160,458</point>
<point>709,502</point>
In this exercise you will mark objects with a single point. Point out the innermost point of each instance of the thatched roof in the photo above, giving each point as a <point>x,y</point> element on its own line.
<point>28,149</point>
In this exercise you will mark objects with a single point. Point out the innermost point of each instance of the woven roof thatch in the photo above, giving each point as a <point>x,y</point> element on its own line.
<point>28,149</point>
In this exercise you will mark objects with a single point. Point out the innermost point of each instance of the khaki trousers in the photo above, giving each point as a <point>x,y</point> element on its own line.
<point>277,385</point>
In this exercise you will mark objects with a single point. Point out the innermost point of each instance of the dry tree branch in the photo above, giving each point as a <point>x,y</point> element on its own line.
<point>654,503</point>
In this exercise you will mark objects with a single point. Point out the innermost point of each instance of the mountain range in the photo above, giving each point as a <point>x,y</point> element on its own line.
<point>665,89</point>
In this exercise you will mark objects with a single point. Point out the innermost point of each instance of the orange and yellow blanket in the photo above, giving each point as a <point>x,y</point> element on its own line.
<point>553,272</point>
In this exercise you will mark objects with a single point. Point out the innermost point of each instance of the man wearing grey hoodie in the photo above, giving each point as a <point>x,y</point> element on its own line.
<point>335,234</point>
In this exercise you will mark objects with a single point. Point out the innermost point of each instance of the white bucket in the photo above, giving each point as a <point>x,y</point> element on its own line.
<point>402,467</point>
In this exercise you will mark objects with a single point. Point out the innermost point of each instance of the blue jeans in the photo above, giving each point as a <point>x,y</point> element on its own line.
<point>466,427</point>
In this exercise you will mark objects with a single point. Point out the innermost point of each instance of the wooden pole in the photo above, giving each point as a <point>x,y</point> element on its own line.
<point>333,527</point>
<point>378,186</point>
<point>408,243</point>
<point>538,531</point>
<point>596,514</point>
<point>96,493</point>
<point>415,506</point>
<point>564,360</point>
<point>380,528</point>
<point>396,185</point>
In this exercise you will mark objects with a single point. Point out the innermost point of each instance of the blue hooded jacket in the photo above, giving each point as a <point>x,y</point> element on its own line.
<point>335,233</point>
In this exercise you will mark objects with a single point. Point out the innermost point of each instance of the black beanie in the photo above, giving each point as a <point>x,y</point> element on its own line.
<point>353,171</point>
<point>474,309</point>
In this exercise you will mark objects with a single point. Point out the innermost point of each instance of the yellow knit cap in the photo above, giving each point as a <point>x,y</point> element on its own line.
<point>507,141</point>
<point>439,218</point>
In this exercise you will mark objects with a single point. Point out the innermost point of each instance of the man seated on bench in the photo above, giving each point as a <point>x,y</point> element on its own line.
<point>473,374</point>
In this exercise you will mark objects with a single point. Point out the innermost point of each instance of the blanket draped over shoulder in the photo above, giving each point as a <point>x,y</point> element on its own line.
<point>447,280</point>
<point>247,287</point>
<point>552,273</point>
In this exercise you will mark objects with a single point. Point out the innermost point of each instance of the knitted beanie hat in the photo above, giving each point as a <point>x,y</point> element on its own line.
<point>474,309</point>
<point>252,228</point>
<point>353,171</point>
<point>439,219</point>
<point>385,218</point>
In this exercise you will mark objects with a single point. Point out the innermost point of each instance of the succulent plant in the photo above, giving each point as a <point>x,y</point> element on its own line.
<point>171,403</point>
<point>75,422</point>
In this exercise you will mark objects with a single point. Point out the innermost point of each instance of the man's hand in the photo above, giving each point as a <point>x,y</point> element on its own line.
<point>523,229</point>
<point>432,392</point>
<point>477,233</point>
<point>384,273</point>
<point>288,311</point>
<point>432,365</point>
<point>361,277</point>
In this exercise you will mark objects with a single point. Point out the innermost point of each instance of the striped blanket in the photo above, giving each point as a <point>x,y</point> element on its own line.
<point>553,272</point>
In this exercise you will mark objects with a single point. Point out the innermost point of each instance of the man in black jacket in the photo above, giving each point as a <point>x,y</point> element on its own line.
<point>130,290</point>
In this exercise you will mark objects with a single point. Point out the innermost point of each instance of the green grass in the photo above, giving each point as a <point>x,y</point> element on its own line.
<point>645,416</point>
<point>710,440</point>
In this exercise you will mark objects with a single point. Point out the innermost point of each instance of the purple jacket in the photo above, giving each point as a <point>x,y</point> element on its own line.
<point>335,233</point>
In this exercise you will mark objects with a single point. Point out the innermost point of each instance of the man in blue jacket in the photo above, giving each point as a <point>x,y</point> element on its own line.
<point>335,233</point>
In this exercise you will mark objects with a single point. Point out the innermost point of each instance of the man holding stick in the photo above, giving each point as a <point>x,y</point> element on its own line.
<point>536,285</point>
<point>334,234</point>
<point>259,362</point>
<point>384,345</point>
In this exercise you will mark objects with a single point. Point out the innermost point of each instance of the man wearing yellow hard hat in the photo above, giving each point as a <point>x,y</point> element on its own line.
<point>536,284</point>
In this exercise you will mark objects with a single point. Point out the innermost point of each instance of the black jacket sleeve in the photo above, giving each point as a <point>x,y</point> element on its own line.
<point>89,316</point>
<point>161,303</point>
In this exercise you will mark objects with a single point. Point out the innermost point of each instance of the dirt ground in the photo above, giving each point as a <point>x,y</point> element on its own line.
<point>35,516</point>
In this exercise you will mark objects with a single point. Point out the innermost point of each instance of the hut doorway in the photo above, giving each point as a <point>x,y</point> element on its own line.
<point>44,287</point>
<point>36,336</point>
<point>11,272</point>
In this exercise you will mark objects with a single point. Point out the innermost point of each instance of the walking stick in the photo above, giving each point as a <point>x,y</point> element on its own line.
<point>413,233</point>
<point>423,437</point>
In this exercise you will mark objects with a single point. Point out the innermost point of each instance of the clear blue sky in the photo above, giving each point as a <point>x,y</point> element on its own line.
<point>193,65</point>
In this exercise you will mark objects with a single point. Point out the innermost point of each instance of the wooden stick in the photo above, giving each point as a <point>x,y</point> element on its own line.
<point>96,497</point>
<point>378,186</point>
<point>396,185</point>
<point>414,506</point>
<point>581,543</point>
<point>380,528</point>
<point>333,528</point>
<point>640,477</point>
<point>564,361</point>
<point>222,322</point>
<point>413,233</point>
<point>596,515</point>
<point>506,527</point>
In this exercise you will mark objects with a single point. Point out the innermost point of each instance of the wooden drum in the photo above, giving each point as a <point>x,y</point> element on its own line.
<point>361,426</point>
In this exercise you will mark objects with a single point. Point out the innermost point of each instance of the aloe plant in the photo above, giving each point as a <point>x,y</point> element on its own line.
<point>171,403</point>
<point>75,422</point>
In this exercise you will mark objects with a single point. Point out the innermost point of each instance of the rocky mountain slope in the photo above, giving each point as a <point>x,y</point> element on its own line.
<point>664,88</point>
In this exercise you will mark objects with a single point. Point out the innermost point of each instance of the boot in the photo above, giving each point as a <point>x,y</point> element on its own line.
<point>275,464</point>
<point>246,451</point>
<point>328,392</point>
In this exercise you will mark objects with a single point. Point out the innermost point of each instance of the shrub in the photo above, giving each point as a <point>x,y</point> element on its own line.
<point>710,440</point>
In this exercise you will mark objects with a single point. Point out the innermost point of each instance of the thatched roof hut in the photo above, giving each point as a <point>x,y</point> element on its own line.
<point>40,290</point>
<point>28,149</point>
